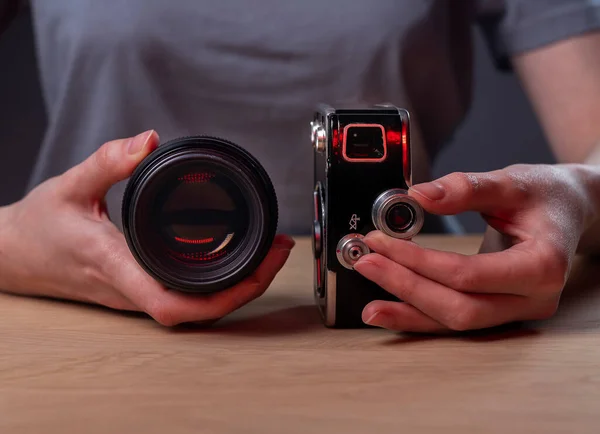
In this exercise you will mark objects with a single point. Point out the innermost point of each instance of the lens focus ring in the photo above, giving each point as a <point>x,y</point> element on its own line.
<point>397,214</point>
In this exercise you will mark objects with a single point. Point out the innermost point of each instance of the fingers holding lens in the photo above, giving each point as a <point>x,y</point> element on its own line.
<point>254,286</point>
<point>114,161</point>
<point>172,307</point>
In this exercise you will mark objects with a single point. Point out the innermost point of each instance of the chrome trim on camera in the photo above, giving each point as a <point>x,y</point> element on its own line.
<point>320,139</point>
<point>382,205</point>
<point>326,305</point>
<point>407,160</point>
<point>313,130</point>
<point>330,299</point>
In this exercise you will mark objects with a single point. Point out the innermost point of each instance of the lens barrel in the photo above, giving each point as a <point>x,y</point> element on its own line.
<point>199,214</point>
<point>397,214</point>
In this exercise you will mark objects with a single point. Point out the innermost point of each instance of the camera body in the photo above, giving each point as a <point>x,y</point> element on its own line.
<point>362,171</point>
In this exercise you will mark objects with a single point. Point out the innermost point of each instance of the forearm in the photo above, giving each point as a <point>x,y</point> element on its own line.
<point>562,82</point>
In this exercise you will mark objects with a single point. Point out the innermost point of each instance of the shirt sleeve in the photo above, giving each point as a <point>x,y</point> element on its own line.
<point>514,26</point>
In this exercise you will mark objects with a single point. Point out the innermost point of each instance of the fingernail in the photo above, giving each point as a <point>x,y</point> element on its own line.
<point>364,265</point>
<point>284,253</point>
<point>137,144</point>
<point>286,243</point>
<point>429,190</point>
<point>364,259</point>
<point>378,319</point>
<point>282,256</point>
<point>372,235</point>
<point>371,318</point>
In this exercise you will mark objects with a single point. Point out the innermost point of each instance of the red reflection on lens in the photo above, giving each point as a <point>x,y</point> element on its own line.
<point>197,257</point>
<point>201,257</point>
<point>194,178</point>
<point>198,241</point>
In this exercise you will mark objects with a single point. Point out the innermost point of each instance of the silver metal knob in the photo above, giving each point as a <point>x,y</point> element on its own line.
<point>320,139</point>
<point>350,249</point>
<point>313,130</point>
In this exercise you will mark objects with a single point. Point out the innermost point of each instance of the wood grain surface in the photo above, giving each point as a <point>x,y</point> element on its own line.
<point>273,368</point>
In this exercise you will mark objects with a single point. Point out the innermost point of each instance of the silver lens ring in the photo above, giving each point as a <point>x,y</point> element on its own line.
<point>384,203</point>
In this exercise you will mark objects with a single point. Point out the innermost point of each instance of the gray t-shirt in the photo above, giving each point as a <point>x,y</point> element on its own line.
<point>252,72</point>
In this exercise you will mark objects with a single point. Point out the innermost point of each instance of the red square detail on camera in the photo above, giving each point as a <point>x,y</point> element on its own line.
<point>368,143</point>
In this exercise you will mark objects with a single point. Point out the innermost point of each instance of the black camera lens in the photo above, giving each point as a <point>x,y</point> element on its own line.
<point>400,217</point>
<point>364,142</point>
<point>199,214</point>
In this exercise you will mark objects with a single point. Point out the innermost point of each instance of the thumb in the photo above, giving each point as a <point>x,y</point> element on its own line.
<point>114,161</point>
<point>458,192</point>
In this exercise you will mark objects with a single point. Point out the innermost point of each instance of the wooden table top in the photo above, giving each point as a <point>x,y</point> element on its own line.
<point>273,368</point>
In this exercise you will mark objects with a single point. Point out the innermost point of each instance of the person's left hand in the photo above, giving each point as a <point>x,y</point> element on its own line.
<point>536,215</point>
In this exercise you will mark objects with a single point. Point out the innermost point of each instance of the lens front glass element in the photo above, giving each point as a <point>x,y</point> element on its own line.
<point>198,215</point>
<point>400,217</point>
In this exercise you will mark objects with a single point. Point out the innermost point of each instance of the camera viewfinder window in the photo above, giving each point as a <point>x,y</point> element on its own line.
<point>364,142</point>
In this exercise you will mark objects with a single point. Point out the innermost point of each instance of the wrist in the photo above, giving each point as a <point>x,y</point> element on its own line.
<point>588,177</point>
<point>6,230</point>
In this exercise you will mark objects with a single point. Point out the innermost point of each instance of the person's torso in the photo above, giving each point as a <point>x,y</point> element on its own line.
<point>250,72</point>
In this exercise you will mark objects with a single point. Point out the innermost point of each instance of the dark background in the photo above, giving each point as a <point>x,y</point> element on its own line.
<point>499,130</point>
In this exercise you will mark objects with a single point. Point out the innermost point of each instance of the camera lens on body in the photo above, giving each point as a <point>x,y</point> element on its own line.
<point>400,217</point>
<point>199,214</point>
<point>397,214</point>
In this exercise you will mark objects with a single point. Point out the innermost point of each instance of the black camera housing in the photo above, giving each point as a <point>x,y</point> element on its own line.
<point>362,171</point>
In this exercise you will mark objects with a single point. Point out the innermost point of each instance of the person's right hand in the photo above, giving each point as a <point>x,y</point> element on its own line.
<point>59,242</point>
